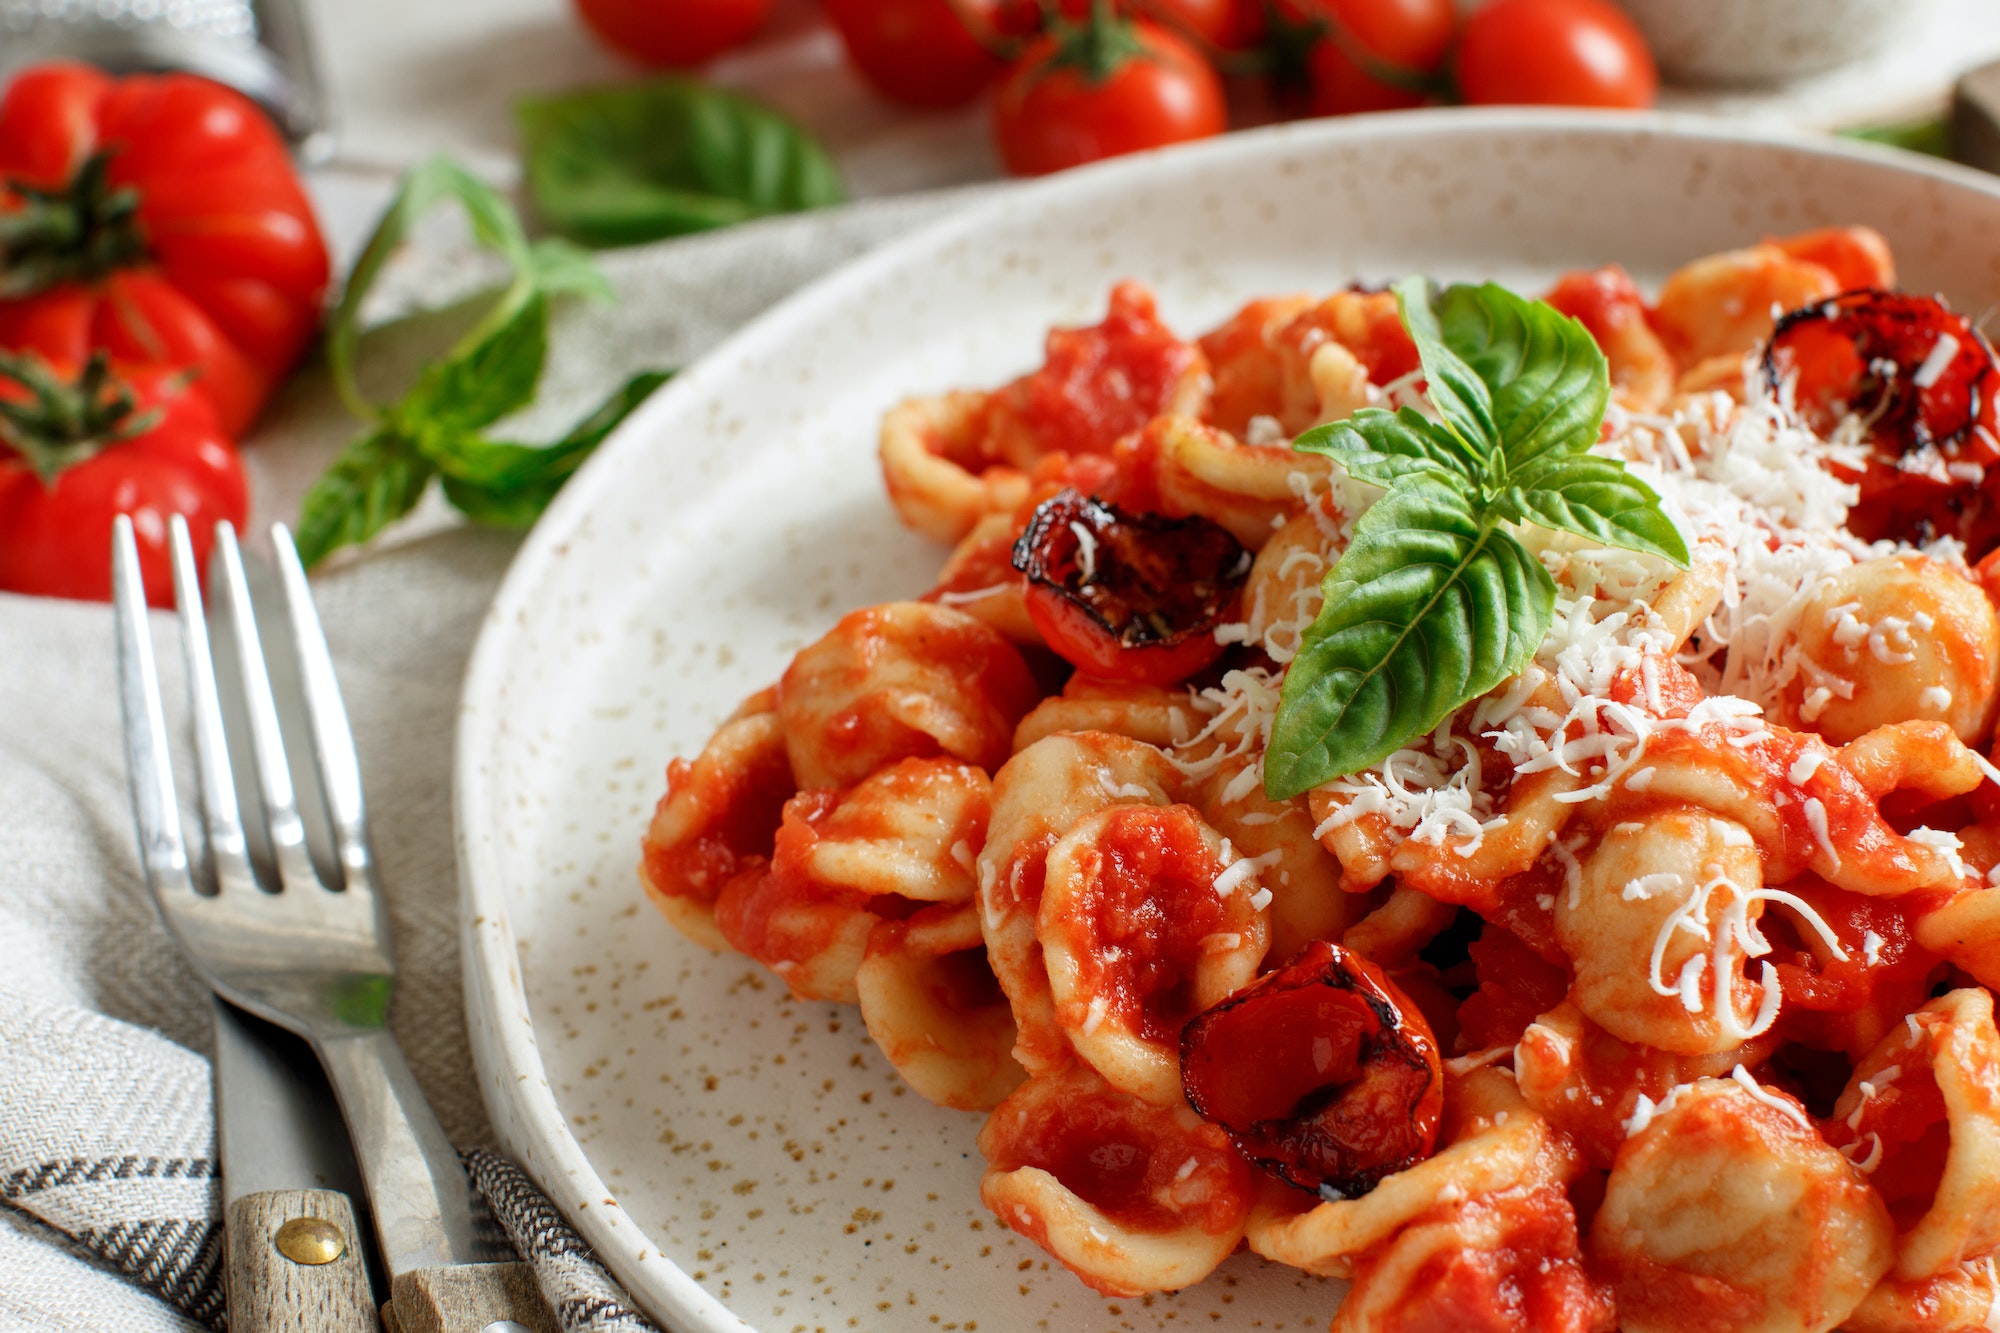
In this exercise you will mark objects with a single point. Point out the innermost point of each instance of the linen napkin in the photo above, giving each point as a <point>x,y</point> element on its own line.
<point>109,1198</point>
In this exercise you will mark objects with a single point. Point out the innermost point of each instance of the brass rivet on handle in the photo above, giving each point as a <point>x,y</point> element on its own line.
<point>311,1240</point>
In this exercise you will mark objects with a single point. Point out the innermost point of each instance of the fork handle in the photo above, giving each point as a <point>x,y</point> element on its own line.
<point>417,1187</point>
<point>471,1298</point>
<point>295,1265</point>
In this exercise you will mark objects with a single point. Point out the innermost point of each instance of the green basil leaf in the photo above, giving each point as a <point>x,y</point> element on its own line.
<point>478,384</point>
<point>427,185</point>
<point>509,485</point>
<point>376,480</point>
<point>1548,380</point>
<point>1379,447</point>
<point>563,269</point>
<point>1461,397</point>
<point>1429,607</point>
<point>617,166</point>
<point>1596,498</point>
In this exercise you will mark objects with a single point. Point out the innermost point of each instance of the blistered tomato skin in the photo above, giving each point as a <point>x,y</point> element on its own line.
<point>1125,596</point>
<point>1323,1073</point>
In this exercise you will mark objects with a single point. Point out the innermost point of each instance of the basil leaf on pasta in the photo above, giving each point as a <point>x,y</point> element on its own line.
<point>1596,498</point>
<point>1461,397</point>
<point>1430,606</point>
<point>1548,379</point>
<point>1380,447</point>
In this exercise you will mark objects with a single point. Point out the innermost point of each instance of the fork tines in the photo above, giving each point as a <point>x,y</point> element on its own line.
<point>168,865</point>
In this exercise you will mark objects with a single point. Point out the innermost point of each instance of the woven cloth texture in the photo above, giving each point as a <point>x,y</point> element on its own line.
<point>109,1198</point>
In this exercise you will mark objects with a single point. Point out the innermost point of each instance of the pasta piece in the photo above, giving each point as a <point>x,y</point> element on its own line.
<point>1919,1115</point>
<point>979,579</point>
<point>931,1003</point>
<point>1891,640</point>
<point>1038,796</point>
<point>1721,305</point>
<point>911,830</point>
<point>1605,302</point>
<point>717,820</point>
<point>1729,1211</point>
<point>1856,256</point>
<point>1965,928</point>
<point>811,934</point>
<point>1964,1299</point>
<point>1403,924</point>
<point>1661,927</point>
<point>1304,882</point>
<point>1246,488</point>
<point>936,470</point>
<point>1365,324</point>
<point>1248,379</point>
<point>1145,921</point>
<point>1495,1143</point>
<point>1149,713</point>
<point>1506,1262</point>
<point>1129,1196</point>
<point>1282,595</point>
<point>898,680</point>
<point>1597,1089</point>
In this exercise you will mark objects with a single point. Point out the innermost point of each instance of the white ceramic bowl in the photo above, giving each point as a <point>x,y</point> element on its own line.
<point>740,1160</point>
<point>1749,42</point>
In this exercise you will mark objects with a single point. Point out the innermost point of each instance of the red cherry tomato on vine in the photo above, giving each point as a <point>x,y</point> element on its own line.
<point>1556,52</point>
<point>157,217</point>
<point>673,32</point>
<point>97,444</point>
<point>1220,23</point>
<point>1055,110</point>
<point>924,52</point>
<point>1372,55</point>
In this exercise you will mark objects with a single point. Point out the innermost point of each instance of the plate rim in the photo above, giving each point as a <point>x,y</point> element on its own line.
<point>513,1080</point>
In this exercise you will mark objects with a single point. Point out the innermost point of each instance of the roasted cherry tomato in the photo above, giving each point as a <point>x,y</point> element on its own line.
<point>933,53</point>
<point>1323,1073</point>
<point>78,449</point>
<point>1560,52</point>
<point>1132,597</point>
<point>1100,88</point>
<point>673,32</point>
<point>1364,55</point>
<point>1923,379</point>
<point>156,217</point>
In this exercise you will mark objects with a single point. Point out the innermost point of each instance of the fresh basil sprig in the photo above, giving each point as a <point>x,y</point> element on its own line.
<point>1435,601</point>
<point>434,429</point>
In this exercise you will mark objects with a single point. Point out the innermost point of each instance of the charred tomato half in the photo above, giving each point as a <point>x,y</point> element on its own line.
<point>1323,1073</point>
<point>1128,596</point>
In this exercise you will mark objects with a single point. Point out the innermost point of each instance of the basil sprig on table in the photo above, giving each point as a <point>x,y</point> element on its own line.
<point>1435,601</point>
<point>617,166</point>
<point>436,427</point>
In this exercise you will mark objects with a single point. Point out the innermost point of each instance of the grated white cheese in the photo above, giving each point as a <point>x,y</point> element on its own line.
<point>1094,1015</point>
<point>1935,698</point>
<point>1086,550</point>
<point>1944,844</point>
<point>1735,937</point>
<point>1935,364</point>
<point>1805,766</point>
<point>1750,1085</point>
<point>1871,948</point>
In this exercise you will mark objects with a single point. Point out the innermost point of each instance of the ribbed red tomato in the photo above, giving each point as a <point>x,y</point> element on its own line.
<point>157,217</point>
<point>85,446</point>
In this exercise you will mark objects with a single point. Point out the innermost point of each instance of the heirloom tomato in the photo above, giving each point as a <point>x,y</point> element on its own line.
<point>156,217</point>
<point>78,448</point>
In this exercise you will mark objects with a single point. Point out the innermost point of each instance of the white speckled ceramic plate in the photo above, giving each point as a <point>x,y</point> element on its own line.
<point>740,1159</point>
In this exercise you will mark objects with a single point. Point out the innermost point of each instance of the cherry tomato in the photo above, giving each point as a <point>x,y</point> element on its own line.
<point>1127,596</point>
<point>1559,52</point>
<point>1229,24</point>
<point>673,32</point>
<point>1323,1072</point>
<point>1370,55</point>
<point>157,217</point>
<point>930,53</point>
<point>97,444</point>
<point>1095,90</point>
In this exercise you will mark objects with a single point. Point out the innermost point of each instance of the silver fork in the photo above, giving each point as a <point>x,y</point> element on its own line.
<point>312,957</point>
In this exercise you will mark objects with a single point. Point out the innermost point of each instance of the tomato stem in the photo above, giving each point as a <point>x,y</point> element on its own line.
<point>1099,44</point>
<point>65,422</point>
<point>995,43</point>
<point>76,232</point>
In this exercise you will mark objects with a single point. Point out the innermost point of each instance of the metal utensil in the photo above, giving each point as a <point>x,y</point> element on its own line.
<point>311,956</point>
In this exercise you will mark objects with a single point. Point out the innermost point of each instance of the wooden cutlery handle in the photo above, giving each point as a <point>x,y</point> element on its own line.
<point>469,1298</point>
<point>295,1265</point>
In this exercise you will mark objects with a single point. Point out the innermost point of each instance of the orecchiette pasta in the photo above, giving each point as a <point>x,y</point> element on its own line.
<point>1648,991</point>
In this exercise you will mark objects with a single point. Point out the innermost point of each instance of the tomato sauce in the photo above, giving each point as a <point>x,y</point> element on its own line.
<point>1248,380</point>
<point>1151,898</point>
<point>1532,1280</point>
<point>1516,985</point>
<point>743,804</point>
<point>1104,381</point>
<point>785,915</point>
<point>1907,1112</point>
